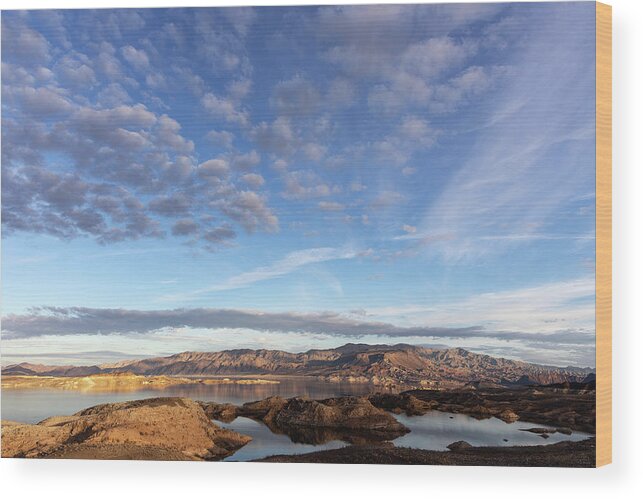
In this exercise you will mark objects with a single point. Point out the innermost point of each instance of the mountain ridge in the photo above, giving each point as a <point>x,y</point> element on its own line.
<point>399,364</point>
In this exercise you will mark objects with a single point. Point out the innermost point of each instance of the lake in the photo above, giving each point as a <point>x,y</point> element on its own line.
<point>433,431</point>
<point>34,405</point>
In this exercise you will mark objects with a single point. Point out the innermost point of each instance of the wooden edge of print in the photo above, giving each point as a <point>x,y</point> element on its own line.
<point>603,234</point>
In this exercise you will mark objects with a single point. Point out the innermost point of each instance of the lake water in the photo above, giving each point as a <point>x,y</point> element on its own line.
<point>34,405</point>
<point>433,431</point>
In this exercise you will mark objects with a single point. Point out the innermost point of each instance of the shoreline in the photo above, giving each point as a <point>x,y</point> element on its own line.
<point>120,381</point>
<point>581,454</point>
<point>369,434</point>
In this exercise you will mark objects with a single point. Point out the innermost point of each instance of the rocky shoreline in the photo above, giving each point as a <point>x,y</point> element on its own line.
<point>118,381</point>
<point>563,454</point>
<point>174,428</point>
<point>168,428</point>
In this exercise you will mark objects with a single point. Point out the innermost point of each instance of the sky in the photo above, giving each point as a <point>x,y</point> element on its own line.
<point>297,178</point>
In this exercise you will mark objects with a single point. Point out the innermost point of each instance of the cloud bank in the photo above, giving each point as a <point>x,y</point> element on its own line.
<point>94,321</point>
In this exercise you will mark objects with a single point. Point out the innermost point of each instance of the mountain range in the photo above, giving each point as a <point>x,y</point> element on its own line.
<point>379,364</point>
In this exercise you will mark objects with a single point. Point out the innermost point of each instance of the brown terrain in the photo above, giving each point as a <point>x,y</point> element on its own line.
<point>159,429</point>
<point>121,381</point>
<point>351,419</point>
<point>178,428</point>
<point>563,454</point>
<point>412,380</point>
<point>563,406</point>
<point>383,365</point>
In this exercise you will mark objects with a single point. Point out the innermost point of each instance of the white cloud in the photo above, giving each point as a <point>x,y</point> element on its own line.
<point>341,93</point>
<point>246,161</point>
<point>516,176</point>
<point>434,56</point>
<point>386,199</point>
<point>290,263</point>
<point>306,184</point>
<point>137,58</point>
<point>277,137</point>
<point>253,180</point>
<point>295,97</point>
<point>217,167</point>
<point>224,109</point>
<point>330,206</point>
<point>39,102</point>
<point>220,138</point>
<point>546,308</point>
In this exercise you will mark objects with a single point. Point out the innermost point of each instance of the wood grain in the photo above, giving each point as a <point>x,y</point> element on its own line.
<point>603,234</point>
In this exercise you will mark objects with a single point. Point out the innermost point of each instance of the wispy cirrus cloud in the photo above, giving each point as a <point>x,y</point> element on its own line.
<point>547,308</point>
<point>520,174</point>
<point>292,262</point>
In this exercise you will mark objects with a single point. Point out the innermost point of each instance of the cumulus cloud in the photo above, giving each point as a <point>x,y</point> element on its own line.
<point>38,102</point>
<point>295,97</point>
<point>330,206</point>
<point>224,109</point>
<point>23,44</point>
<point>136,57</point>
<point>219,234</point>
<point>277,137</point>
<point>341,93</point>
<point>250,210</point>
<point>434,56</point>
<point>253,180</point>
<point>221,138</point>
<point>306,184</point>
<point>246,161</point>
<point>119,156</point>
<point>386,199</point>
<point>185,227</point>
<point>217,167</point>
<point>74,71</point>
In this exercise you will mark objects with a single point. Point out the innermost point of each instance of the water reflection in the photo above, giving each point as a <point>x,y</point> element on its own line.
<point>33,405</point>
<point>433,431</point>
<point>266,443</point>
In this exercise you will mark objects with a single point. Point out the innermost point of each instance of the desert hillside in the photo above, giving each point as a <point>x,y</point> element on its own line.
<point>379,364</point>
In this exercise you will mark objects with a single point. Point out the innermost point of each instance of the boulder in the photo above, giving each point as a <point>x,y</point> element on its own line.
<point>352,419</point>
<point>459,445</point>
<point>159,428</point>
<point>344,412</point>
<point>402,403</point>
<point>508,416</point>
<point>225,413</point>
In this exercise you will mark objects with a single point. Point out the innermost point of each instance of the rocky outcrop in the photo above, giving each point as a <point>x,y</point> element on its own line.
<point>160,428</point>
<point>351,419</point>
<point>402,403</point>
<point>351,413</point>
<point>565,454</point>
<point>225,413</point>
<point>459,445</point>
<point>568,410</point>
<point>383,365</point>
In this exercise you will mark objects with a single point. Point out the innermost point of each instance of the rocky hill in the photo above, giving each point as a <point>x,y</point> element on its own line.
<point>379,364</point>
<point>158,429</point>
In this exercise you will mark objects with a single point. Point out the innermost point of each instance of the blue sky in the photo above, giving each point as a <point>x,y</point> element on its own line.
<point>199,179</point>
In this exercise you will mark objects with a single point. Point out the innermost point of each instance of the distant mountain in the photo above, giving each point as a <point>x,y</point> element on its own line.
<point>380,364</point>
